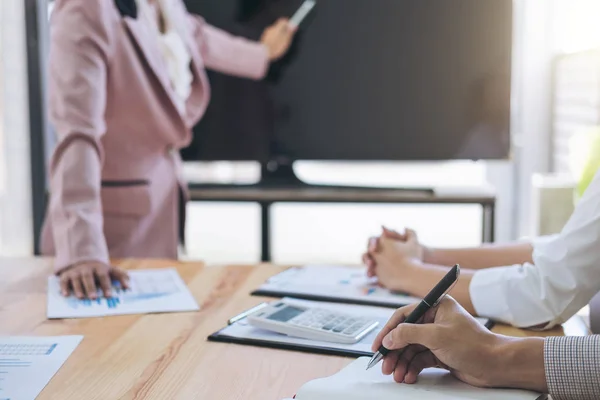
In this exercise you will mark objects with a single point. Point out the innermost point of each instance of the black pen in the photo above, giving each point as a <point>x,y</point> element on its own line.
<point>430,301</point>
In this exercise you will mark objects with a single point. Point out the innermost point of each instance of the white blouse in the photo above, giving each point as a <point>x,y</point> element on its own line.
<point>564,278</point>
<point>175,54</point>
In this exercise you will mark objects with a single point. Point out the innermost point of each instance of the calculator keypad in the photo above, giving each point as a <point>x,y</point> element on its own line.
<point>331,322</point>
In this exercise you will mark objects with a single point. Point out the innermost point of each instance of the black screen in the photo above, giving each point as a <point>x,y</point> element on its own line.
<point>366,80</point>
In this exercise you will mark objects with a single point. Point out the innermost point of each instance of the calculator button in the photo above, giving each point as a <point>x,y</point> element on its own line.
<point>354,328</point>
<point>338,329</point>
<point>328,327</point>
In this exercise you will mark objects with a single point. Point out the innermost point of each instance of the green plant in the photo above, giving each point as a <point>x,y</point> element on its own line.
<point>585,158</point>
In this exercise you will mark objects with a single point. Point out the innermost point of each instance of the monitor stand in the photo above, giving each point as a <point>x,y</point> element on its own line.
<point>281,176</point>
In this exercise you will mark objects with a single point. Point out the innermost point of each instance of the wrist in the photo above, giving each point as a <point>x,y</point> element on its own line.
<point>519,364</point>
<point>435,256</point>
<point>411,277</point>
<point>267,51</point>
<point>428,255</point>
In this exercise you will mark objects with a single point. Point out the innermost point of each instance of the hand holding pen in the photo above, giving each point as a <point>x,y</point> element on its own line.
<point>448,337</point>
<point>430,301</point>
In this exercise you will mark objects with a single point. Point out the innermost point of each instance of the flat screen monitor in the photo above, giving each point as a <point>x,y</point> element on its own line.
<point>365,80</point>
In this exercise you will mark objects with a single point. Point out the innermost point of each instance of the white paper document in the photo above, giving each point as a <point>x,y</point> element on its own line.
<point>243,330</point>
<point>151,291</point>
<point>333,283</point>
<point>356,383</point>
<point>28,363</point>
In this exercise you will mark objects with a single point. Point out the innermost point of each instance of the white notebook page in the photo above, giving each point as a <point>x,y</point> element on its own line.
<point>355,383</point>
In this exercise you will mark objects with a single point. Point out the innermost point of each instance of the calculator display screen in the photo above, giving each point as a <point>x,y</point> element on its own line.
<point>285,314</point>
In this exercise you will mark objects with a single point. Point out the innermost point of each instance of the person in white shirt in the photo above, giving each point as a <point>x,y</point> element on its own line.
<point>537,284</point>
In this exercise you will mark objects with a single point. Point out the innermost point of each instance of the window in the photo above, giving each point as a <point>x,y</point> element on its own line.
<point>576,103</point>
<point>15,182</point>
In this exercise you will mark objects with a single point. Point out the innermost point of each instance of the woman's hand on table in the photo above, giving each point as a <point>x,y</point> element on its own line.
<point>84,279</point>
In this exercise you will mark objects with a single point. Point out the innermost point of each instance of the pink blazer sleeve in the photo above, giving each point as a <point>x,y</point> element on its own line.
<point>77,100</point>
<point>230,54</point>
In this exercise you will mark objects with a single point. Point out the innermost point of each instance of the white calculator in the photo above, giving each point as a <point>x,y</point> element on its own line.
<point>312,323</point>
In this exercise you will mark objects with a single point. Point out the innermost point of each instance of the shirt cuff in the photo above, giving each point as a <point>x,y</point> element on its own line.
<point>572,366</point>
<point>487,295</point>
<point>504,294</point>
<point>263,61</point>
<point>541,241</point>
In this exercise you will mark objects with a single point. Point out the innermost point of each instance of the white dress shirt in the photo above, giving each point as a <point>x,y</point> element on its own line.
<point>563,278</point>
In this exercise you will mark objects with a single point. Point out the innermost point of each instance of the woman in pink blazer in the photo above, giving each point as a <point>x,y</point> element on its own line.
<point>127,83</point>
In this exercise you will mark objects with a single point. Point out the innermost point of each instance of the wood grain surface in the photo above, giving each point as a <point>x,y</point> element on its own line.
<point>166,356</point>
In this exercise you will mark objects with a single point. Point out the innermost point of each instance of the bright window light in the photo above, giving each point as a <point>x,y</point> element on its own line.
<point>576,25</point>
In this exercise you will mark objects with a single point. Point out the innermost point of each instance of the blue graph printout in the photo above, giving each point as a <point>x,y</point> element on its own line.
<point>151,291</point>
<point>28,363</point>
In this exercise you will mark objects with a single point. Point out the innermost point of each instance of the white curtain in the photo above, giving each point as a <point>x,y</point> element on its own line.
<point>16,233</point>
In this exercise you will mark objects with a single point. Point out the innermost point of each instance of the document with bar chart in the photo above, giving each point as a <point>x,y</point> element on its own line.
<point>151,291</point>
<point>28,363</point>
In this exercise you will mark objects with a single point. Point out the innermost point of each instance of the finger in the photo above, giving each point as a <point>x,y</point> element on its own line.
<point>423,360</point>
<point>365,259</point>
<point>77,287</point>
<point>289,26</point>
<point>389,362</point>
<point>410,234</point>
<point>64,284</point>
<point>373,245</point>
<point>120,276</point>
<point>392,234</point>
<point>89,284</point>
<point>398,316</point>
<point>404,359</point>
<point>406,334</point>
<point>282,24</point>
<point>369,260</point>
<point>105,283</point>
<point>371,272</point>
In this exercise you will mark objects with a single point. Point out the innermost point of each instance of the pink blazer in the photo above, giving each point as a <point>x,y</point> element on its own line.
<point>115,174</point>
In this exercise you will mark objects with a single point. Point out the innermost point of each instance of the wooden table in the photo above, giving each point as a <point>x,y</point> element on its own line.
<point>165,356</point>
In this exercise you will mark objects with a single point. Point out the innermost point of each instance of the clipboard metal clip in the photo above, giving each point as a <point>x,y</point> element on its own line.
<point>246,313</point>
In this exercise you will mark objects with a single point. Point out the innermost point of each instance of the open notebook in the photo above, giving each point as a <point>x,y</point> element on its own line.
<point>355,383</point>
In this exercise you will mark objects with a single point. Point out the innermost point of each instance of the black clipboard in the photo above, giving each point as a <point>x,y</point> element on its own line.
<point>222,337</point>
<point>330,351</point>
